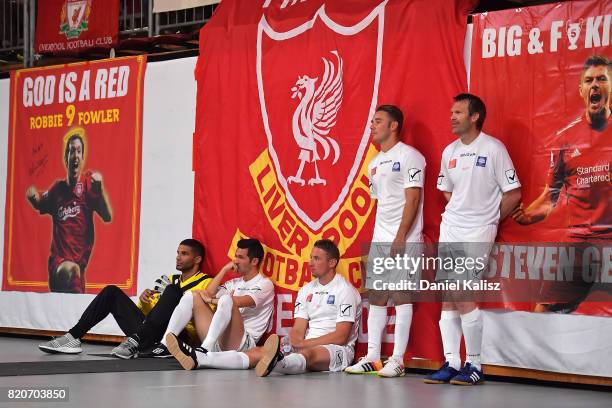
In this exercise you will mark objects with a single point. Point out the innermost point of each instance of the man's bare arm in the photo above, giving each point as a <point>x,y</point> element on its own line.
<point>213,287</point>
<point>339,336</point>
<point>102,207</point>
<point>537,211</point>
<point>411,207</point>
<point>509,202</point>
<point>33,197</point>
<point>298,331</point>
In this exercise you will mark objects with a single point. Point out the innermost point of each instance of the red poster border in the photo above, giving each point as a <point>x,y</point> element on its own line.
<point>129,283</point>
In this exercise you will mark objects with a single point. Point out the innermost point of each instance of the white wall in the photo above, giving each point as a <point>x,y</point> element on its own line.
<point>166,196</point>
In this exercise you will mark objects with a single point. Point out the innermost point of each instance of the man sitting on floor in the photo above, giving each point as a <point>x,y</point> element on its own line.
<point>327,314</point>
<point>145,323</point>
<point>244,305</point>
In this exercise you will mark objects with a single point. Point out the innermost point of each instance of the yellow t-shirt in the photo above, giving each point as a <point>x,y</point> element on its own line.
<point>199,281</point>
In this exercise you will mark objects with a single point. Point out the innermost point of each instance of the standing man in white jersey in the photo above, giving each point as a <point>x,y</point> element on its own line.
<point>327,313</point>
<point>243,312</point>
<point>397,176</point>
<point>481,185</point>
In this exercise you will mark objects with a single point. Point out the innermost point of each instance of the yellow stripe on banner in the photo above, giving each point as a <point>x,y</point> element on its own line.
<point>291,272</point>
<point>296,236</point>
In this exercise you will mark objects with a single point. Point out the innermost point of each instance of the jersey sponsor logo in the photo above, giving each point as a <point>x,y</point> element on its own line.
<point>396,167</point>
<point>452,163</point>
<point>331,299</point>
<point>414,174</point>
<point>253,289</point>
<point>467,154</point>
<point>440,179</point>
<point>63,213</point>
<point>481,161</point>
<point>511,176</point>
<point>346,309</point>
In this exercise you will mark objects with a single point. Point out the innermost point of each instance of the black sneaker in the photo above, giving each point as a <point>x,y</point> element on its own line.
<point>157,351</point>
<point>271,356</point>
<point>183,352</point>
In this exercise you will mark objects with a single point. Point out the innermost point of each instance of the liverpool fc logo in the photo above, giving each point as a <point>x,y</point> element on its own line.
<point>75,18</point>
<point>315,116</point>
<point>318,90</point>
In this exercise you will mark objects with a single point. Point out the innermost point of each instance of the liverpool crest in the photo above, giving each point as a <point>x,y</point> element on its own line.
<point>75,18</point>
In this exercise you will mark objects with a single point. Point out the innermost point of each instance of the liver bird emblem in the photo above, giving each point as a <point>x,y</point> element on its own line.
<point>315,116</point>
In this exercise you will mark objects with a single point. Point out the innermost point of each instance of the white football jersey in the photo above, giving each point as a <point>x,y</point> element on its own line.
<point>261,290</point>
<point>477,175</point>
<point>325,305</point>
<point>390,174</point>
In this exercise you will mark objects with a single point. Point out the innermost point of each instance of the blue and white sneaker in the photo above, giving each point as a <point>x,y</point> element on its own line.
<point>469,375</point>
<point>442,376</point>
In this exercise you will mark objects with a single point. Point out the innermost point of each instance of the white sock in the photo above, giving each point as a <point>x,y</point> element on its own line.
<point>294,363</point>
<point>403,319</point>
<point>377,321</point>
<point>220,320</point>
<point>229,360</point>
<point>450,329</point>
<point>471,323</point>
<point>182,314</point>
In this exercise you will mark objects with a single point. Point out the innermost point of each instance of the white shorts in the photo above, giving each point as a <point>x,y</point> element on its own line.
<point>379,276</point>
<point>450,233</point>
<point>247,343</point>
<point>462,244</point>
<point>340,357</point>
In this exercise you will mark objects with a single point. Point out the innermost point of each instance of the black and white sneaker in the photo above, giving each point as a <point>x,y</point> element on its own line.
<point>127,350</point>
<point>183,352</point>
<point>157,351</point>
<point>271,356</point>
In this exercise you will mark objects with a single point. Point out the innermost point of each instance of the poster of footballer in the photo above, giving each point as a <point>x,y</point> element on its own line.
<point>73,185</point>
<point>550,104</point>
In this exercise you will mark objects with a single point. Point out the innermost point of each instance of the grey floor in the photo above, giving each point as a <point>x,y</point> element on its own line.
<point>218,388</point>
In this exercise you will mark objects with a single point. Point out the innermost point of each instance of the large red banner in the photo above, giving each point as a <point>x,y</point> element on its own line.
<point>73,190</point>
<point>547,91</point>
<point>74,25</point>
<point>286,92</point>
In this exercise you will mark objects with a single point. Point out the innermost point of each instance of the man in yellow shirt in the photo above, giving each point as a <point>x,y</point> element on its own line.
<point>145,323</point>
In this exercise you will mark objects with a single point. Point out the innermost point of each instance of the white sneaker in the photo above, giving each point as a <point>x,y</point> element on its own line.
<point>65,344</point>
<point>364,366</point>
<point>394,367</point>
